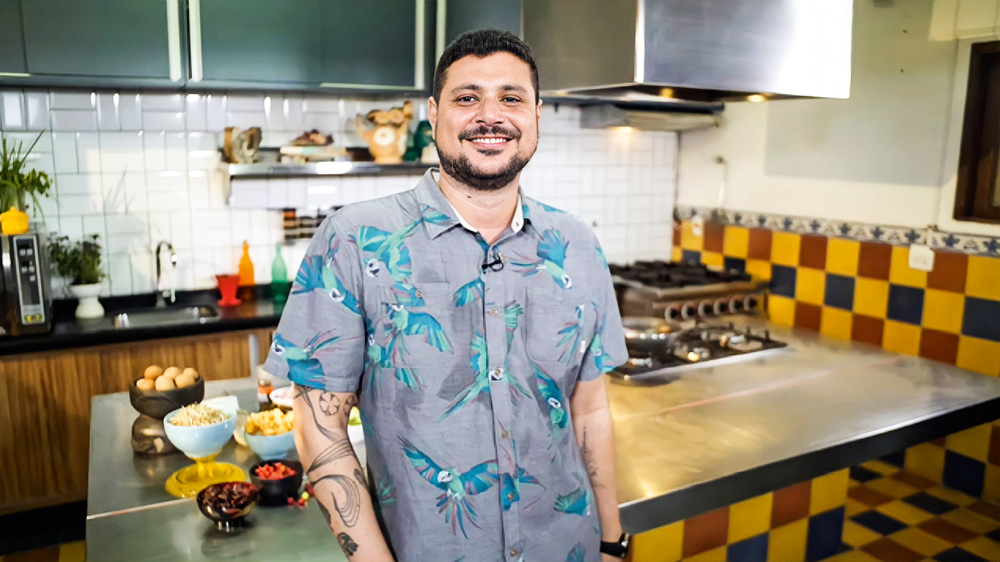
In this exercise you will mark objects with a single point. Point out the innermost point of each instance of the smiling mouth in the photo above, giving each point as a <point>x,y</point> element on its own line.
<point>489,143</point>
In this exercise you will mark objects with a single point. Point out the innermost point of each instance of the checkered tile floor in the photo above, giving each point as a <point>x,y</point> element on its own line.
<point>896,516</point>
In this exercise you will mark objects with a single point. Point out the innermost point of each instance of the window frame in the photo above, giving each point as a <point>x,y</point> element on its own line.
<point>978,170</point>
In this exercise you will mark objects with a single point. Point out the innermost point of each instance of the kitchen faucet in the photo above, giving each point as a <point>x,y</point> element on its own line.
<point>161,295</point>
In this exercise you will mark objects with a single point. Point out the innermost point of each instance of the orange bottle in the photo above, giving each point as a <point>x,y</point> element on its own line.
<point>247,287</point>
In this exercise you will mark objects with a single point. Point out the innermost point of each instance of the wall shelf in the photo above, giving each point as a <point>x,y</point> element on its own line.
<point>276,170</point>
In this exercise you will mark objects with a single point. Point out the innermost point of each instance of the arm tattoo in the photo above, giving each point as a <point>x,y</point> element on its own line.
<point>360,477</point>
<point>350,509</point>
<point>349,404</point>
<point>341,448</point>
<point>312,410</point>
<point>326,514</point>
<point>588,460</point>
<point>347,544</point>
<point>329,404</point>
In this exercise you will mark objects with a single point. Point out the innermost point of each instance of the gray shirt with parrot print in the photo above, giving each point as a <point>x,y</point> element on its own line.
<point>464,372</point>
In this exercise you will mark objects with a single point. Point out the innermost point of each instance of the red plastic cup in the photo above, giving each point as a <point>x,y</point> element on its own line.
<point>228,284</point>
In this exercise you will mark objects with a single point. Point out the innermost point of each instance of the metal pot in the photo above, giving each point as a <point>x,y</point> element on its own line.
<point>648,336</point>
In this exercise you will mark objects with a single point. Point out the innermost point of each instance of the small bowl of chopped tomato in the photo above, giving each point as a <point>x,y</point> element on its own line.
<point>278,480</point>
<point>228,503</point>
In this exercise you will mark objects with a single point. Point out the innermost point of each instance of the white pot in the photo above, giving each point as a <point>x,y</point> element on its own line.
<point>89,306</point>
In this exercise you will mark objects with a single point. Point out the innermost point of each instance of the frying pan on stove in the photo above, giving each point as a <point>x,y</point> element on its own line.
<point>647,336</point>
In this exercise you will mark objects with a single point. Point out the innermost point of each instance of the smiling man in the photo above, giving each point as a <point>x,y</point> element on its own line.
<point>473,324</point>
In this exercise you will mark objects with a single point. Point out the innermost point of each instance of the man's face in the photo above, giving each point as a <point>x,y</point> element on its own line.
<point>486,125</point>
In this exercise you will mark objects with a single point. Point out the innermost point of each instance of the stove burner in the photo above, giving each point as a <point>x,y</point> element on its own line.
<point>700,344</point>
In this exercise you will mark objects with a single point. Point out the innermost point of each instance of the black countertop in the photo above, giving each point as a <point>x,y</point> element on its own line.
<point>69,333</point>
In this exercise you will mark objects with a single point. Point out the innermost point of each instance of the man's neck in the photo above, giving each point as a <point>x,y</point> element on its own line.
<point>489,212</point>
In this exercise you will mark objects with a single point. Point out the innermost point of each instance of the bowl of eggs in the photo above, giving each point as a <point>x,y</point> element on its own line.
<point>161,391</point>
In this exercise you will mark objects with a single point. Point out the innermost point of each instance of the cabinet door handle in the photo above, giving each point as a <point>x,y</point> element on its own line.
<point>420,52</point>
<point>441,28</point>
<point>174,39</point>
<point>194,27</point>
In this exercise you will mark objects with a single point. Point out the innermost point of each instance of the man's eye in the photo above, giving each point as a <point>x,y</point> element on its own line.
<point>512,99</point>
<point>466,99</point>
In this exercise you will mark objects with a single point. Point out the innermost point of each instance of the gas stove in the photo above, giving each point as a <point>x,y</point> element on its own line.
<point>698,345</point>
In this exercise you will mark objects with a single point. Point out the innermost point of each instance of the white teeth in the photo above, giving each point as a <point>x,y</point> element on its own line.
<point>490,140</point>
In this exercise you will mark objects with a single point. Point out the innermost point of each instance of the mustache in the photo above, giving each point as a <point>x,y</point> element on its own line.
<point>495,130</point>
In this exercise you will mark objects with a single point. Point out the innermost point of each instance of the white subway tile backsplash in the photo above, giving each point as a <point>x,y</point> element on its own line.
<point>180,229</point>
<point>120,274</point>
<point>130,111</point>
<point>162,102</point>
<point>88,152</point>
<point>64,152</point>
<point>96,224</point>
<point>195,113</point>
<point>36,105</point>
<point>73,119</point>
<point>163,120</point>
<point>245,119</point>
<point>293,108</point>
<point>80,204</point>
<point>143,272</point>
<point>121,152</point>
<point>176,199</point>
<point>245,102</point>
<point>107,112</point>
<point>154,146</point>
<point>72,100</point>
<point>124,192</point>
<point>12,111</point>
<point>176,146</point>
<point>215,112</point>
<point>71,226</point>
<point>159,226</point>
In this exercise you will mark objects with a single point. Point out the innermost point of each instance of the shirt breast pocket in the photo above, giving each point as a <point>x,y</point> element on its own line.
<point>417,324</point>
<point>558,327</point>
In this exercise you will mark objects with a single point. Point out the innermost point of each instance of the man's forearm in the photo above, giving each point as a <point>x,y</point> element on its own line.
<point>596,440</point>
<point>337,479</point>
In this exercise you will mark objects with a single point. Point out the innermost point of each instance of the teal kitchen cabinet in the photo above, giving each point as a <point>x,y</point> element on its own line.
<point>374,45</point>
<point>255,43</point>
<point>102,42</point>
<point>11,38</point>
<point>465,15</point>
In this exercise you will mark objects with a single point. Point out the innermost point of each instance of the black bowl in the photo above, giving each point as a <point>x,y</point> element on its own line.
<point>228,519</point>
<point>277,492</point>
<point>158,403</point>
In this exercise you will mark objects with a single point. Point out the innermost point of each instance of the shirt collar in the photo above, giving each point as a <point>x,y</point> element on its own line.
<point>440,215</point>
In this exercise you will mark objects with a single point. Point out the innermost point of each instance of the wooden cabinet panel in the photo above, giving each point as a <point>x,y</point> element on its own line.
<point>45,405</point>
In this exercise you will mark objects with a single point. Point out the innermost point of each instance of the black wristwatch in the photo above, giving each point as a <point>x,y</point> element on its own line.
<point>618,549</point>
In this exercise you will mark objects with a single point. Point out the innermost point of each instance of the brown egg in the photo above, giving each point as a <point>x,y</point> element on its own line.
<point>184,379</point>
<point>152,372</point>
<point>145,384</point>
<point>165,383</point>
<point>191,371</point>
<point>172,372</point>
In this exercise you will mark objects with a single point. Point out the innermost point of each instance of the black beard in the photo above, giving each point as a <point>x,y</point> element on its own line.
<point>461,168</point>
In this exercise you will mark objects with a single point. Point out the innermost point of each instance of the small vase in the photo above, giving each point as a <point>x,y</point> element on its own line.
<point>89,306</point>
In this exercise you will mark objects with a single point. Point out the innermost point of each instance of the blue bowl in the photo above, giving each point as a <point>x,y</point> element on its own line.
<point>200,441</point>
<point>271,447</point>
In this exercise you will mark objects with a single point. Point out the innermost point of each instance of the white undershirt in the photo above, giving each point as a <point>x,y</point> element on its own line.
<point>515,224</point>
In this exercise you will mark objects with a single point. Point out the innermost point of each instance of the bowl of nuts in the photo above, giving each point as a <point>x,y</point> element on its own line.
<point>228,503</point>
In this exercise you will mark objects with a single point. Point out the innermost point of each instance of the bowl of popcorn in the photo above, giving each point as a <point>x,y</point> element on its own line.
<point>269,434</point>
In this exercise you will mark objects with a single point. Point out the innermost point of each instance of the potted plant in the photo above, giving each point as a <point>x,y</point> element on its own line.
<point>18,184</point>
<point>79,263</point>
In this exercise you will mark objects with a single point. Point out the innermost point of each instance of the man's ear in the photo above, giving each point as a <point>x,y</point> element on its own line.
<point>538,110</point>
<point>432,114</point>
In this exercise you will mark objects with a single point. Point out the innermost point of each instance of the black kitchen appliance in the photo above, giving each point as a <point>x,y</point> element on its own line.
<point>25,292</point>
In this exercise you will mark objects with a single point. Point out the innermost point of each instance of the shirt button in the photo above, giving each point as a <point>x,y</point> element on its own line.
<point>505,435</point>
<point>494,312</point>
<point>513,552</point>
<point>420,293</point>
<point>510,496</point>
<point>497,374</point>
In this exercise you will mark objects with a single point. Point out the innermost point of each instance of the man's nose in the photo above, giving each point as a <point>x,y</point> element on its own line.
<point>490,113</point>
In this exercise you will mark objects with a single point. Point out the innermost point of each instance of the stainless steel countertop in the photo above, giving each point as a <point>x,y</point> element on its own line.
<point>781,418</point>
<point>686,443</point>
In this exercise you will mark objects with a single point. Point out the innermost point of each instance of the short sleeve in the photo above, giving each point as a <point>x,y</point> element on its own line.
<point>607,348</point>
<point>320,340</point>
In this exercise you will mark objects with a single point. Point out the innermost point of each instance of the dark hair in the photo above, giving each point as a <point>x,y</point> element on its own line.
<point>482,43</point>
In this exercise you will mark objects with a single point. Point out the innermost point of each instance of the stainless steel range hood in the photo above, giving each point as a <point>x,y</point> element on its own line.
<point>690,54</point>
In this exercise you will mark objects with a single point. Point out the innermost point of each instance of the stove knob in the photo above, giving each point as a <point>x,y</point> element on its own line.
<point>673,312</point>
<point>706,309</point>
<point>736,305</point>
<point>689,310</point>
<point>750,304</point>
<point>720,307</point>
